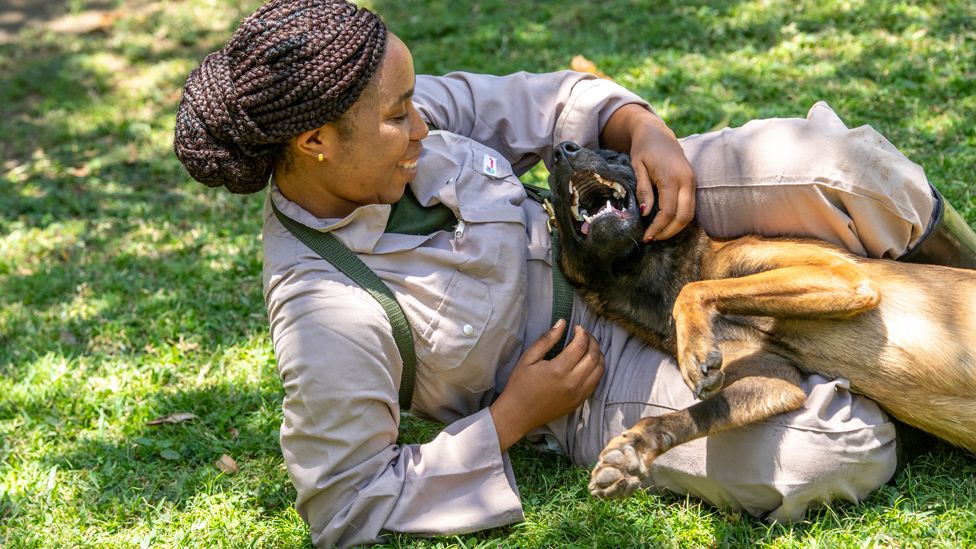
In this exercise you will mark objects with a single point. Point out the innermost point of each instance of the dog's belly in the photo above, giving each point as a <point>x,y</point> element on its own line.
<point>914,355</point>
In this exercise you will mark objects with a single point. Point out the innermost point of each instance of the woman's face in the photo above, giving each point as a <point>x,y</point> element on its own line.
<point>377,143</point>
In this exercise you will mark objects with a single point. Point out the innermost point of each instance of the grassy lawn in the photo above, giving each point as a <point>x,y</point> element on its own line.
<point>129,292</point>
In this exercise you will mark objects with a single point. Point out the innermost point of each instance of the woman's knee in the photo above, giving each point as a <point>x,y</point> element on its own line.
<point>813,177</point>
<point>838,447</point>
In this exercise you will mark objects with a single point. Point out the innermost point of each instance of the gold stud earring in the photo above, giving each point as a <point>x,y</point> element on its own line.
<point>321,157</point>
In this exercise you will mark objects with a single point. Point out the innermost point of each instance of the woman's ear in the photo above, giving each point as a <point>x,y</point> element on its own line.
<point>319,144</point>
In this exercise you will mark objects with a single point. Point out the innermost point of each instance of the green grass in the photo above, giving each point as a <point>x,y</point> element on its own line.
<point>129,292</point>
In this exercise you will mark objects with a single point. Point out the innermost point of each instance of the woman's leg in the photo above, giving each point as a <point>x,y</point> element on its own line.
<point>814,177</point>
<point>839,446</point>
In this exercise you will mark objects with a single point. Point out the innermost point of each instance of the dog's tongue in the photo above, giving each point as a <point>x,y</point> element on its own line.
<point>585,229</point>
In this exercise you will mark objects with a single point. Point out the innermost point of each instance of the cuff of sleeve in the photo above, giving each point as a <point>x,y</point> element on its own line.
<point>590,107</point>
<point>468,483</point>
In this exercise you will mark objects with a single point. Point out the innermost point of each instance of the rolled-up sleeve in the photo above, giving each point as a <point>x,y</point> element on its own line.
<point>522,115</point>
<point>340,371</point>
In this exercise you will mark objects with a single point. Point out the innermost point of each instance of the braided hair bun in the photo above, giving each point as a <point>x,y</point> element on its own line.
<point>292,66</point>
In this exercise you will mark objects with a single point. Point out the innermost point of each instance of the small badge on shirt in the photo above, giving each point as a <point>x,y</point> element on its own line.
<point>490,165</point>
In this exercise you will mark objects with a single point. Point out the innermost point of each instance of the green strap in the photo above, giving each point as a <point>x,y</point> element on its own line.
<point>562,296</point>
<point>562,292</point>
<point>335,252</point>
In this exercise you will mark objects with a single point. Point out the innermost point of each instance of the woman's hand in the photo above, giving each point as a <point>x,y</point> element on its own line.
<point>659,163</point>
<point>540,391</point>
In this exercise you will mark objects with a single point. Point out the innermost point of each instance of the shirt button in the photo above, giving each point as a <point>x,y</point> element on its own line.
<point>468,329</point>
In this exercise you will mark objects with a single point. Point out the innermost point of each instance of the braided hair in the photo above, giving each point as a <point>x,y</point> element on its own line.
<point>290,67</point>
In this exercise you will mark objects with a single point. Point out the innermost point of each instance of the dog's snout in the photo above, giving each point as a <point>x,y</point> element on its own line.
<point>567,149</point>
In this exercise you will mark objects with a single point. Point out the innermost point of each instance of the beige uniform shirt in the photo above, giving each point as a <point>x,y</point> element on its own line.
<point>336,356</point>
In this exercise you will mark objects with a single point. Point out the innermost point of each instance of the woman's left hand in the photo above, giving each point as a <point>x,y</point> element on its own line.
<point>659,163</point>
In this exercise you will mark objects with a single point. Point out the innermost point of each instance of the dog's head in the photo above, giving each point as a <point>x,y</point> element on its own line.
<point>595,199</point>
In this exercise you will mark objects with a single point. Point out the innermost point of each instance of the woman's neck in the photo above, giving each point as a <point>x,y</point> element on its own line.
<point>311,196</point>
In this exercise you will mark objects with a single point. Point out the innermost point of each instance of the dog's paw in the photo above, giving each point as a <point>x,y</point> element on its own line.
<point>704,376</point>
<point>622,467</point>
<point>712,376</point>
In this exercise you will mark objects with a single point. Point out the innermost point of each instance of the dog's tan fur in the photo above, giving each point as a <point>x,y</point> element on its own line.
<point>818,306</point>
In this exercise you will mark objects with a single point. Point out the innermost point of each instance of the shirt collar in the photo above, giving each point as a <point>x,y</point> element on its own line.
<point>359,231</point>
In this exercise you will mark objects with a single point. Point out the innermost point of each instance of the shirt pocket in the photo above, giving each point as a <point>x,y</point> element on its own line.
<point>488,191</point>
<point>457,327</point>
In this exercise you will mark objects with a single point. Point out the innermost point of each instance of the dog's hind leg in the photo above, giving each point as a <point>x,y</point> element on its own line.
<point>758,385</point>
<point>778,279</point>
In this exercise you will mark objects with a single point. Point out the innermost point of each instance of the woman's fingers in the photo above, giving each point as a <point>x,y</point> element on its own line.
<point>674,181</point>
<point>538,349</point>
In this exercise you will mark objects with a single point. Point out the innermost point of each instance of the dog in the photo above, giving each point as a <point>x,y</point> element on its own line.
<point>745,317</point>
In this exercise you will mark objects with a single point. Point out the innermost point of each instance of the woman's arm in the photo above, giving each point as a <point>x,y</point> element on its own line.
<point>340,369</point>
<point>524,116</point>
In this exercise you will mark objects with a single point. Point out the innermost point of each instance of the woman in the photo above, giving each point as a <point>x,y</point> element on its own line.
<point>319,99</point>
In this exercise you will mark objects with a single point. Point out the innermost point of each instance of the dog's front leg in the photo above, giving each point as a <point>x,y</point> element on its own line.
<point>802,282</point>
<point>759,385</point>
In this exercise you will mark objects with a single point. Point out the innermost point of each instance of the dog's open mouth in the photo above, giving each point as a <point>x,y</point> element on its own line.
<point>594,197</point>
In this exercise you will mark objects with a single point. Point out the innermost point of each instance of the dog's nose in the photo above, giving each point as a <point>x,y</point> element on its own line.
<point>567,149</point>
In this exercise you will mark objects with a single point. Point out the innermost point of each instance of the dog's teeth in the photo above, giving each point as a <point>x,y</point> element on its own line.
<point>574,209</point>
<point>588,218</point>
<point>618,190</point>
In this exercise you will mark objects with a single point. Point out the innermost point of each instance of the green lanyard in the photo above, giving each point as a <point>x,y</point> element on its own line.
<point>335,252</point>
<point>562,292</point>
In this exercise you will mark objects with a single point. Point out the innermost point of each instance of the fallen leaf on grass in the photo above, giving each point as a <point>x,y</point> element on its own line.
<point>80,171</point>
<point>227,464</point>
<point>186,346</point>
<point>132,154</point>
<point>85,22</point>
<point>178,417</point>
<point>582,64</point>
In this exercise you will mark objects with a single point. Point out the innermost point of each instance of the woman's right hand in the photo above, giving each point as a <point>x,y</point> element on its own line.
<point>540,391</point>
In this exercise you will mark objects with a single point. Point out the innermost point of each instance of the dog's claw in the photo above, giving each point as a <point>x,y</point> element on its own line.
<point>710,384</point>
<point>712,362</point>
<point>711,378</point>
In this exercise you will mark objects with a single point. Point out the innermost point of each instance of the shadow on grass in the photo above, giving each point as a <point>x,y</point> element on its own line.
<point>70,122</point>
<point>500,37</point>
<point>88,298</point>
<point>150,256</point>
<point>176,463</point>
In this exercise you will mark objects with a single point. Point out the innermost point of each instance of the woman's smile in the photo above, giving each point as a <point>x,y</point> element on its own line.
<point>409,166</point>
